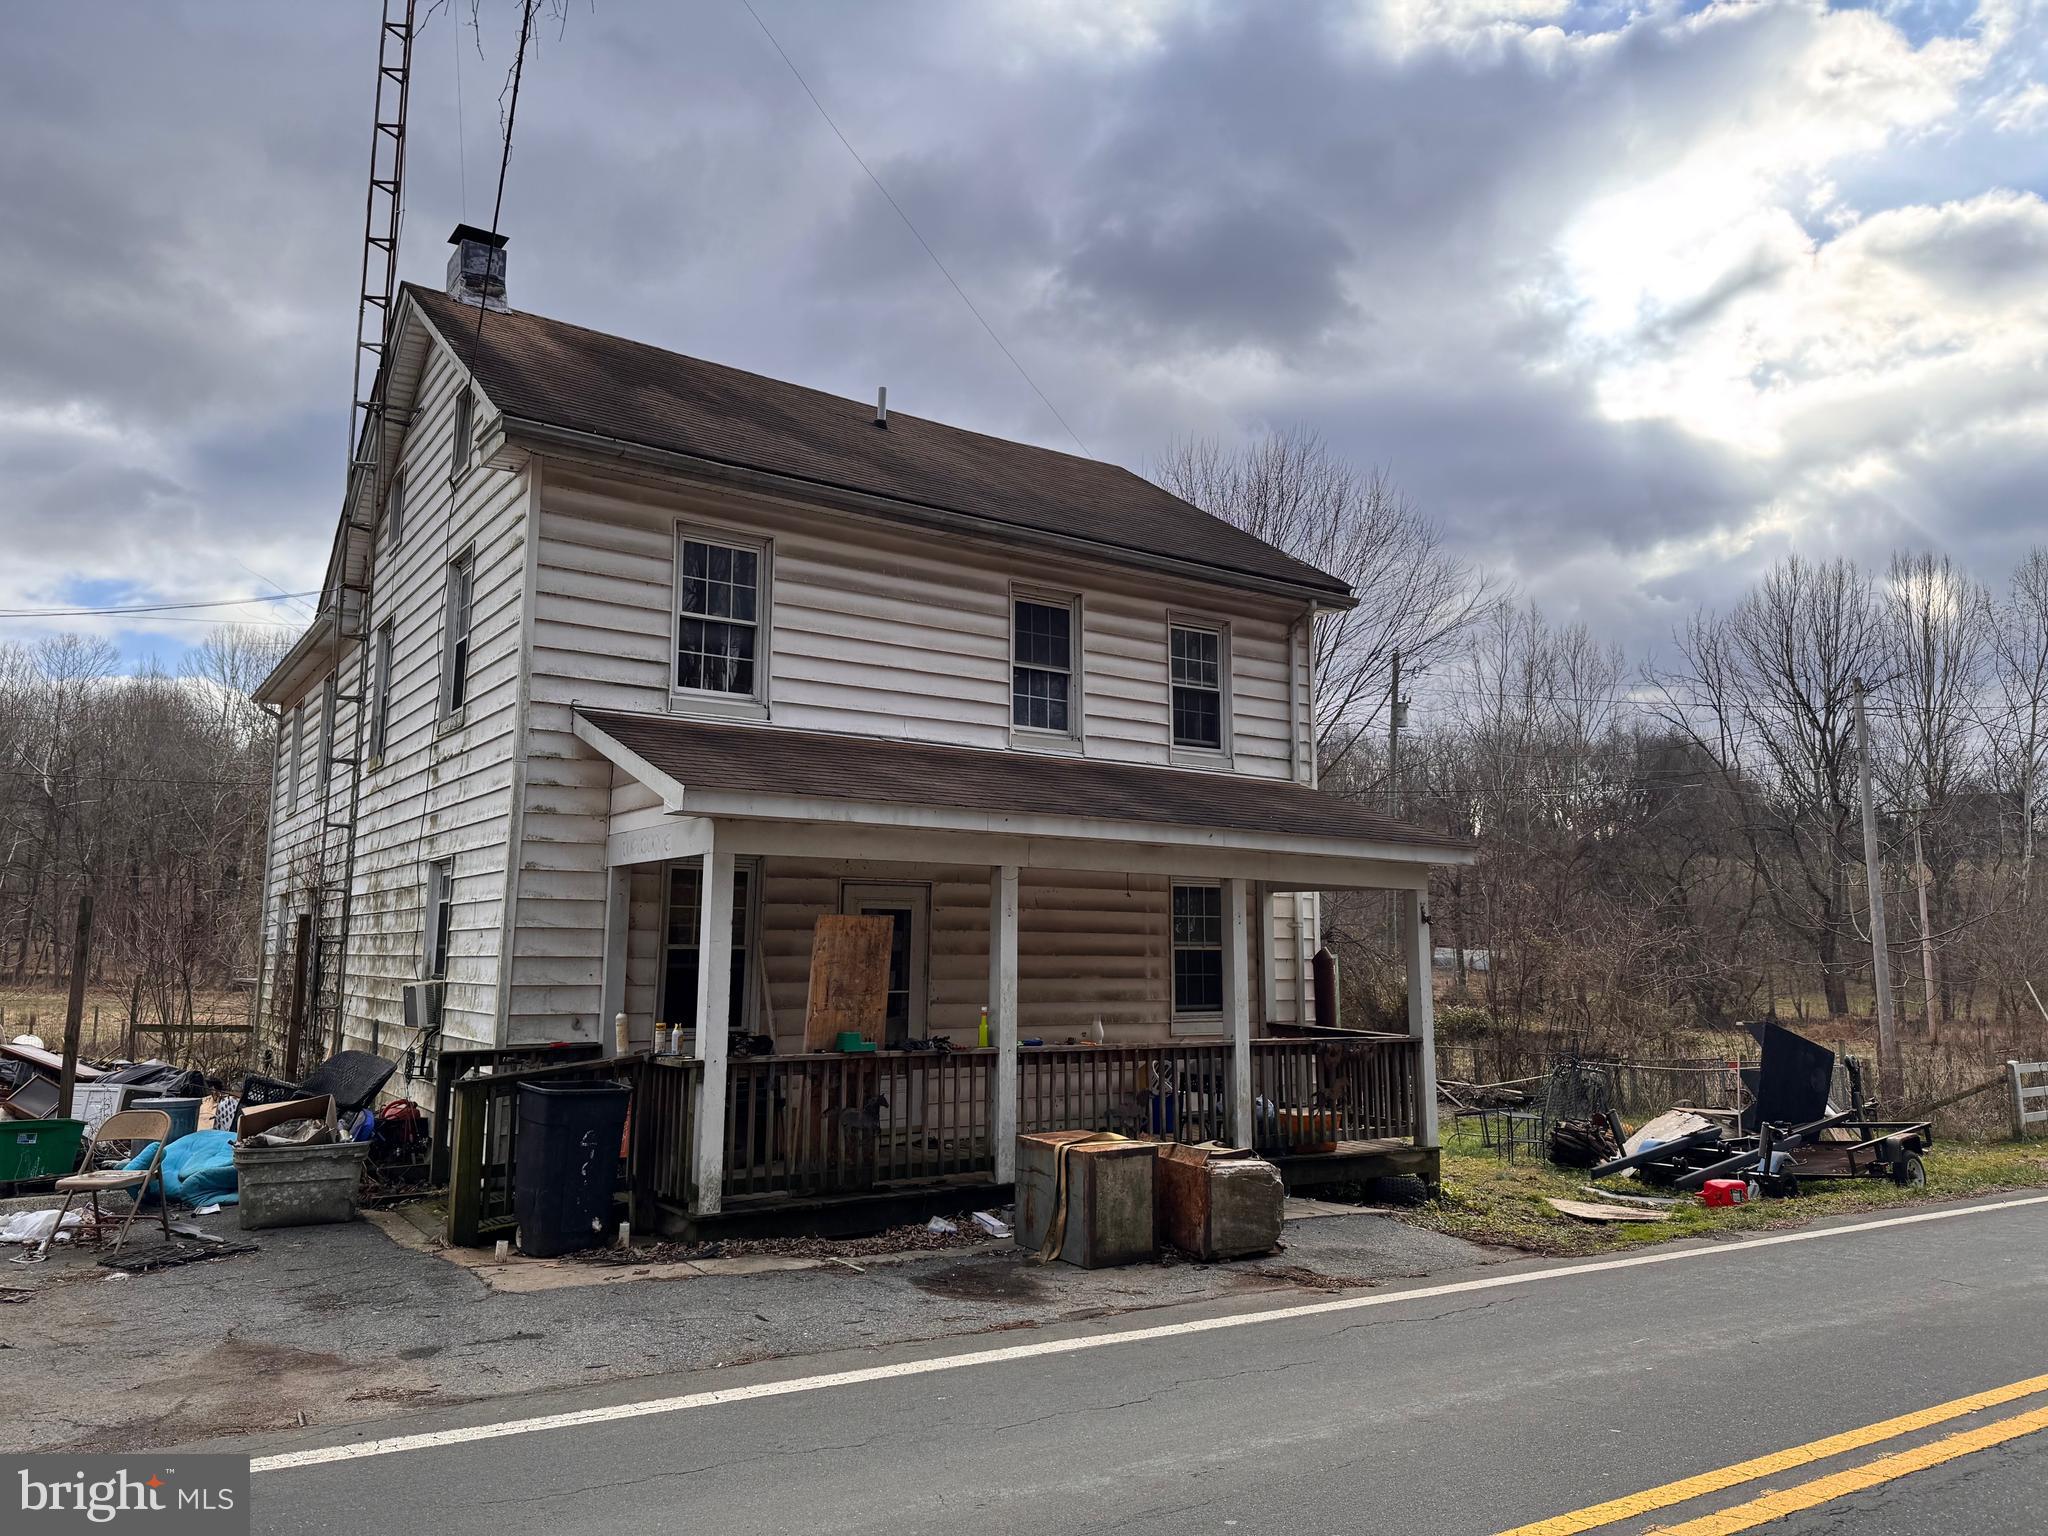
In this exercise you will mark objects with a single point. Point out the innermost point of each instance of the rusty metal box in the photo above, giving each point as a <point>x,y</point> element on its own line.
<point>1107,1194</point>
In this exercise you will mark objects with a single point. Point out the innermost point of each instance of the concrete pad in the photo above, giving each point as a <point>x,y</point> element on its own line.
<point>1301,1208</point>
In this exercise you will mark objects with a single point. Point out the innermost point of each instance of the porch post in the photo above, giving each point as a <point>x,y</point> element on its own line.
<point>714,1008</point>
<point>1421,955</point>
<point>618,899</point>
<point>1237,1009</point>
<point>1002,1012</point>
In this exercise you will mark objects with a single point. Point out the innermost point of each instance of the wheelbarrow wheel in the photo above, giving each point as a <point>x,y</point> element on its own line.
<point>1909,1172</point>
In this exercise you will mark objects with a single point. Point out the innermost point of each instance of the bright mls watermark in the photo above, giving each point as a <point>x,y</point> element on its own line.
<point>171,1495</point>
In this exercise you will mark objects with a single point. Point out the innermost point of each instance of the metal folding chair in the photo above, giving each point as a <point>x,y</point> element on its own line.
<point>129,1126</point>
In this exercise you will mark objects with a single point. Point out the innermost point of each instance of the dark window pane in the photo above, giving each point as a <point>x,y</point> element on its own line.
<point>1197,718</point>
<point>1039,699</point>
<point>1198,981</point>
<point>1044,637</point>
<point>715,656</point>
<point>694,556</point>
<point>1195,657</point>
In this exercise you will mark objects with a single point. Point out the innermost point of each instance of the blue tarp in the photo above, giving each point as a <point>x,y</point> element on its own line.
<point>199,1169</point>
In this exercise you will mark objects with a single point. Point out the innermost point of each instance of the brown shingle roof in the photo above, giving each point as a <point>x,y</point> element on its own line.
<point>764,760</point>
<point>562,375</point>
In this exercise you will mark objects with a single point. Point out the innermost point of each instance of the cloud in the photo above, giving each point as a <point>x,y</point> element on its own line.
<point>1632,297</point>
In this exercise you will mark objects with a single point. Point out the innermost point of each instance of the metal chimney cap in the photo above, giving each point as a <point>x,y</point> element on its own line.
<point>480,236</point>
<point>882,406</point>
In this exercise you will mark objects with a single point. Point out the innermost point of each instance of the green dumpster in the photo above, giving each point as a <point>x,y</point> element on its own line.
<point>38,1149</point>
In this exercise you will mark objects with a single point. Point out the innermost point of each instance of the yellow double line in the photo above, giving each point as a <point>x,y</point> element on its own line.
<point>1821,1490</point>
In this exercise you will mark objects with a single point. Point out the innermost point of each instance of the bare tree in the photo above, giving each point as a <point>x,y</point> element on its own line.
<point>2018,734</point>
<point>1766,693</point>
<point>1937,622</point>
<point>1414,595</point>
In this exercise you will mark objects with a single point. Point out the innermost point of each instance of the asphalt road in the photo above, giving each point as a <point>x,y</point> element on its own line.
<point>1475,1402</point>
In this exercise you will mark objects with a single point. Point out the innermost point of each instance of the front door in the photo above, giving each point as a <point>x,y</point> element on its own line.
<point>909,908</point>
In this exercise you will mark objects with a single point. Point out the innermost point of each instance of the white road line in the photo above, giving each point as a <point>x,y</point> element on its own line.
<point>433,1439</point>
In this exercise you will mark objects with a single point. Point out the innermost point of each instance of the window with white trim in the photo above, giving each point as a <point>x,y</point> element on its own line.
<point>1197,951</point>
<point>394,512</point>
<point>1197,658</point>
<point>460,437</point>
<point>456,617</point>
<point>330,706</point>
<point>297,748</point>
<point>438,930</point>
<point>1042,665</point>
<point>721,595</point>
<point>380,688</point>
<point>681,936</point>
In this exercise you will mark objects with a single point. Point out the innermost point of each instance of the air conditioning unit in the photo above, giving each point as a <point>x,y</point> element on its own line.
<point>423,1004</point>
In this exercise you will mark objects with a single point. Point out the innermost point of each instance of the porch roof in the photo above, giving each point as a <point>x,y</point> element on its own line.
<point>682,756</point>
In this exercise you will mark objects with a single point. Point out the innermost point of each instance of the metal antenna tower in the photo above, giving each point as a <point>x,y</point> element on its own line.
<point>377,293</point>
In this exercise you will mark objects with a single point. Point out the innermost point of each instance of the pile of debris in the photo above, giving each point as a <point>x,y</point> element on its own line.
<point>1792,1130</point>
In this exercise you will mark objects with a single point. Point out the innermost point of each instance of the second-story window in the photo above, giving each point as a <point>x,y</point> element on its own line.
<point>461,439</point>
<point>455,652</point>
<point>1042,666</point>
<point>295,741</point>
<point>720,599</point>
<point>1197,660</point>
<point>380,689</point>
<point>330,704</point>
<point>394,512</point>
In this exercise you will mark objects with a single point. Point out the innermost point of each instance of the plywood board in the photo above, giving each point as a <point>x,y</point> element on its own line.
<point>849,979</point>
<point>1586,1211</point>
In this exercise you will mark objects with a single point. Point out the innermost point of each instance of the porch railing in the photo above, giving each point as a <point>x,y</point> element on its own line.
<point>1308,1094</point>
<point>664,1132</point>
<point>1178,1091</point>
<point>833,1124</point>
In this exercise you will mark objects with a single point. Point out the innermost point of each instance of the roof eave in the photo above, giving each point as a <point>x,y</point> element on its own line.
<point>545,435</point>
<point>287,678</point>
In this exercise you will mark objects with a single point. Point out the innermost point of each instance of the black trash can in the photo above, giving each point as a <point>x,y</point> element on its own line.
<point>568,1164</point>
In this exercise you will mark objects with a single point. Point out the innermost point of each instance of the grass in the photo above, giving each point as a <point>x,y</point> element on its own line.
<point>41,1005</point>
<point>1486,1201</point>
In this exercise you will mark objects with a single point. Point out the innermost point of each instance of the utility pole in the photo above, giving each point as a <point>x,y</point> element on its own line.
<point>1880,955</point>
<point>74,1007</point>
<point>1394,737</point>
<point>1926,935</point>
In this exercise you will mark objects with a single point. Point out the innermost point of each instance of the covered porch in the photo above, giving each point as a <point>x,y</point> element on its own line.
<point>1139,938</point>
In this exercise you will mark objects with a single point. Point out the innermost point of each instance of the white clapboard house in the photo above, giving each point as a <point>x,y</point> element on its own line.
<point>631,665</point>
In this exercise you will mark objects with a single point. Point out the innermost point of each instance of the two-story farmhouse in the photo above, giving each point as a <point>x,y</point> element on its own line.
<point>632,665</point>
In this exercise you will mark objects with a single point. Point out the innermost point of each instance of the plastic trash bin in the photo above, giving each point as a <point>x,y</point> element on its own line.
<point>184,1114</point>
<point>567,1164</point>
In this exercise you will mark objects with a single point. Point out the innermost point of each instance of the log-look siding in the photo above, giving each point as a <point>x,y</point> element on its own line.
<point>440,791</point>
<point>877,631</point>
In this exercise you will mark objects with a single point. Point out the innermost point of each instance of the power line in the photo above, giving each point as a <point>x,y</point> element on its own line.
<point>88,613</point>
<point>943,272</point>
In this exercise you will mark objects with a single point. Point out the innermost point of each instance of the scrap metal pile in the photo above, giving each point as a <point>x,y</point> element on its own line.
<point>1793,1129</point>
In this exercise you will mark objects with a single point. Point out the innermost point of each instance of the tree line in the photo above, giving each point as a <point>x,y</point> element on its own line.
<point>1675,840</point>
<point>147,788</point>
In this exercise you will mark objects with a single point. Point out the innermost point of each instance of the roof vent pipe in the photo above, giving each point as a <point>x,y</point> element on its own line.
<point>882,407</point>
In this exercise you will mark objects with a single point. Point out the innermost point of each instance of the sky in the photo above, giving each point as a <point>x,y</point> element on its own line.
<point>1631,299</point>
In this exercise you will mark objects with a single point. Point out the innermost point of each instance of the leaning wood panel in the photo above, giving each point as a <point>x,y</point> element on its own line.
<point>849,979</point>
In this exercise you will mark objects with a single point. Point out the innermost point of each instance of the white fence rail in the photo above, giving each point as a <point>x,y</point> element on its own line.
<point>2029,1094</point>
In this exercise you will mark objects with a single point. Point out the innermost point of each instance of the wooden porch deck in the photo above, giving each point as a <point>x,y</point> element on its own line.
<point>893,1133</point>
